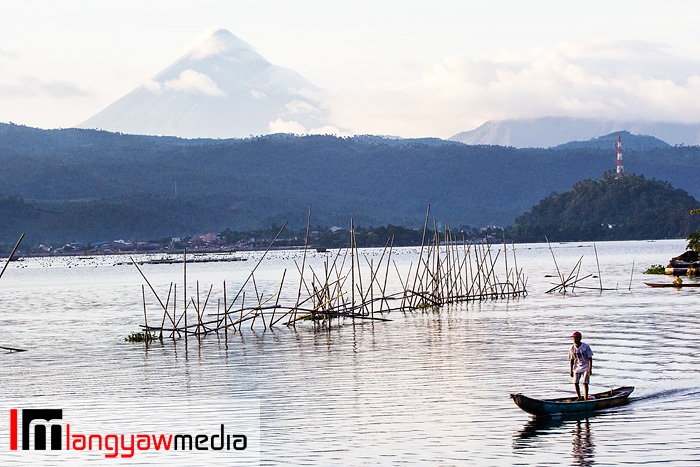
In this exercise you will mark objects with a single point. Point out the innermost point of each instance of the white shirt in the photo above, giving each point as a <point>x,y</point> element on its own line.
<point>580,356</point>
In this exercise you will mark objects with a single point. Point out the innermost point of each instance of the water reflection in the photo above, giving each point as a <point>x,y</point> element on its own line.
<point>531,437</point>
<point>584,448</point>
<point>536,427</point>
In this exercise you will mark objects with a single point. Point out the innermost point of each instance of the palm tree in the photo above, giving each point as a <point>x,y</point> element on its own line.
<point>694,238</point>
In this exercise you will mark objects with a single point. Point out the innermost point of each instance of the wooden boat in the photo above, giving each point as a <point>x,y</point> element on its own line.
<point>569,405</point>
<point>670,284</point>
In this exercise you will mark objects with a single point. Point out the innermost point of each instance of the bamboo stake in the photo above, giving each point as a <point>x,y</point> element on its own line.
<point>505,254</point>
<point>386,275</point>
<point>241,318</point>
<point>561,278</point>
<point>303,262</point>
<point>515,260</point>
<point>279,292</point>
<point>149,284</point>
<point>359,270</point>
<point>600,279</point>
<point>184,291</point>
<point>199,316</point>
<point>256,267</point>
<point>145,318</point>
<point>175,311</point>
<point>422,244</point>
<point>256,309</point>
<point>9,258</point>
<point>165,313</point>
<point>352,264</point>
<point>225,314</point>
<point>206,301</point>
<point>631,274</point>
<point>313,311</point>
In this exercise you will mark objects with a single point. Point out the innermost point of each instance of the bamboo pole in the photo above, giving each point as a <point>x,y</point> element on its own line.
<point>149,284</point>
<point>225,314</point>
<point>279,292</point>
<point>313,311</point>
<point>145,318</point>
<point>199,316</point>
<point>206,301</point>
<point>359,271</point>
<point>515,260</point>
<point>241,318</point>
<point>175,310</point>
<point>561,278</point>
<point>256,267</point>
<point>631,274</point>
<point>184,291</point>
<point>600,279</point>
<point>505,254</point>
<point>422,244</point>
<point>303,262</point>
<point>352,265</point>
<point>256,309</point>
<point>578,270</point>
<point>165,313</point>
<point>12,253</point>
<point>386,274</point>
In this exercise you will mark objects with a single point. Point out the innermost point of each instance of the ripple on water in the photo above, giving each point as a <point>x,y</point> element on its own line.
<point>429,387</point>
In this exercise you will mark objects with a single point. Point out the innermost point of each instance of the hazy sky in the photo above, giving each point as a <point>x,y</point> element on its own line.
<point>405,68</point>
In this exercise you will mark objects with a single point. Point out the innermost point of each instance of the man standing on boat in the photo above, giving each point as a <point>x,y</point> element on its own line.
<point>581,365</point>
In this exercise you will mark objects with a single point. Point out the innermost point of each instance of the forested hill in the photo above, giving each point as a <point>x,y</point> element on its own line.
<point>86,185</point>
<point>627,208</point>
<point>629,141</point>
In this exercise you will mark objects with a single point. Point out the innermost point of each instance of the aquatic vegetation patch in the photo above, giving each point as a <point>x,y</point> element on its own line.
<point>656,269</point>
<point>141,337</point>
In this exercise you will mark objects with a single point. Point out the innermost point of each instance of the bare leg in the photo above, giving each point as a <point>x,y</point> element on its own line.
<point>585,390</point>
<point>578,390</point>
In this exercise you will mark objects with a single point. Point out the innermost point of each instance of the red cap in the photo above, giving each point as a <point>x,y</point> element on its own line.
<point>576,334</point>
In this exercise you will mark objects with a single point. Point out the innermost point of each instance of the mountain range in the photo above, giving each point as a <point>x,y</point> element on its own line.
<point>223,88</point>
<point>88,185</point>
<point>547,132</point>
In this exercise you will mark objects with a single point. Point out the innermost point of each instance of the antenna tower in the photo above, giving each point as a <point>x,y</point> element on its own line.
<point>620,171</point>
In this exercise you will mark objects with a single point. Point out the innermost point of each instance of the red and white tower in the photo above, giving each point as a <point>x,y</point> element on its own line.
<point>618,150</point>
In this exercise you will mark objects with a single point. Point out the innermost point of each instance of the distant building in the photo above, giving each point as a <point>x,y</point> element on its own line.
<point>208,238</point>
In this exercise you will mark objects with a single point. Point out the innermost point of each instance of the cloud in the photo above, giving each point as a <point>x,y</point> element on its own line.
<point>285,126</point>
<point>6,54</point>
<point>293,127</point>
<point>300,107</point>
<point>35,87</point>
<point>189,81</point>
<point>634,80</point>
<point>329,130</point>
<point>212,41</point>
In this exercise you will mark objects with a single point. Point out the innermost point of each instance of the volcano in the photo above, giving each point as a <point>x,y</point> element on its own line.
<point>221,88</point>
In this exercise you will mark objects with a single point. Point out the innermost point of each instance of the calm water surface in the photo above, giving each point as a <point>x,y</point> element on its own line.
<point>426,388</point>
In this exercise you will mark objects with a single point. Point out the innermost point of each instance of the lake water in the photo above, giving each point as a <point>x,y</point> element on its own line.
<point>429,387</point>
